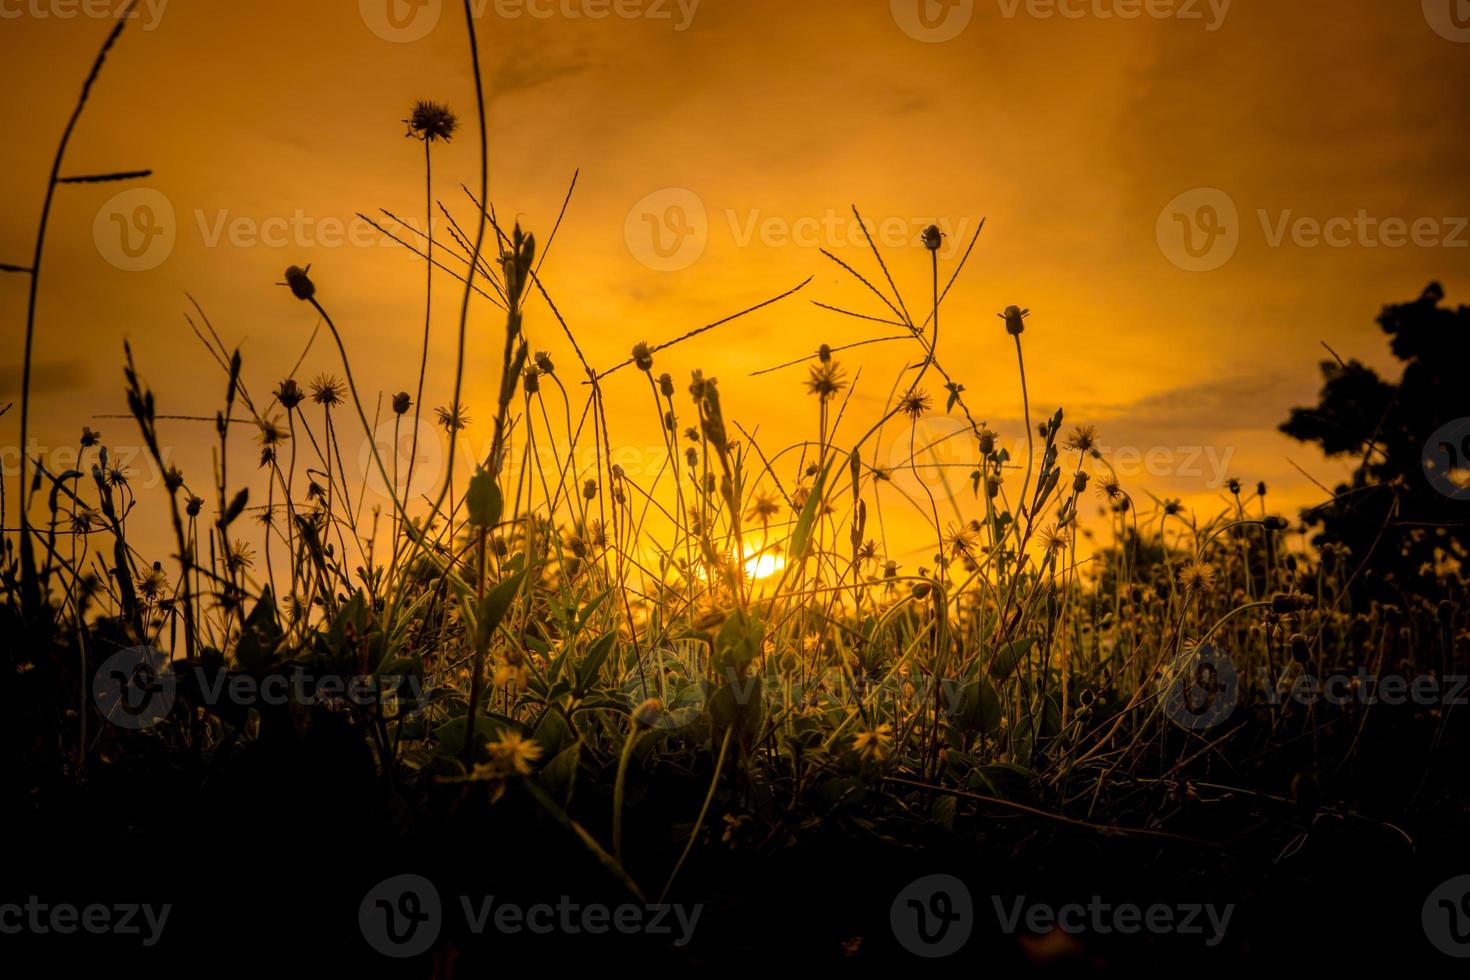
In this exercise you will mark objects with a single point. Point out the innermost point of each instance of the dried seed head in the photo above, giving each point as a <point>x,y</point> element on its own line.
<point>431,121</point>
<point>531,379</point>
<point>402,403</point>
<point>289,394</point>
<point>666,385</point>
<point>643,357</point>
<point>933,238</point>
<point>589,489</point>
<point>915,403</point>
<point>543,362</point>
<point>300,282</point>
<point>1015,319</point>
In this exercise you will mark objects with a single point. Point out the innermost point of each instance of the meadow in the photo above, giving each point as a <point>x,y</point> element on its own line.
<point>708,683</point>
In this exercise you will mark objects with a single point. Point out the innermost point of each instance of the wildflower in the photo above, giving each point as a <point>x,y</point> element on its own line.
<point>173,479</point>
<point>289,394</point>
<point>1233,485</point>
<point>117,477</point>
<point>824,353</point>
<point>825,380</point>
<point>194,506</point>
<point>1079,482</point>
<point>868,551</point>
<point>402,402</point>
<point>987,442</point>
<point>691,456</point>
<point>643,357</point>
<point>299,282</point>
<point>915,404</point>
<point>1173,507</point>
<point>239,556</point>
<point>763,508</point>
<point>589,490</point>
<point>1109,489</point>
<point>1197,576</point>
<point>962,540</point>
<point>271,433</point>
<point>1015,319</point>
<point>1055,540</point>
<point>327,391</point>
<point>89,437</point>
<point>1082,439</point>
<point>85,520</point>
<point>543,362</point>
<point>516,752</point>
<point>531,380</point>
<point>431,121</point>
<point>453,420</point>
<point>873,745</point>
<point>933,238</point>
<point>666,385</point>
<point>153,583</point>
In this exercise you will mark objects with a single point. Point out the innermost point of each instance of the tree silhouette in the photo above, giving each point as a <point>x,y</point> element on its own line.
<point>1403,518</point>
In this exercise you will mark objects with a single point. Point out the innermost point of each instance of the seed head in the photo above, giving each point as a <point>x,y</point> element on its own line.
<point>289,394</point>
<point>299,282</point>
<point>933,238</point>
<point>543,362</point>
<point>431,121</point>
<point>825,380</point>
<point>916,403</point>
<point>643,357</point>
<point>1015,319</point>
<point>402,402</point>
<point>327,391</point>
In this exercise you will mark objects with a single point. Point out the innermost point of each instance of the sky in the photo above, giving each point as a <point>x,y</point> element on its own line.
<point>1192,198</point>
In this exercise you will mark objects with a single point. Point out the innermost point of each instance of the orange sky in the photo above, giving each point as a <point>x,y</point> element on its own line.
<point>1078,131</point>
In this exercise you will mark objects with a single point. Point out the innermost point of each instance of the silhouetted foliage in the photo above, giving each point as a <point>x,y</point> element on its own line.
<point>1392,518</point>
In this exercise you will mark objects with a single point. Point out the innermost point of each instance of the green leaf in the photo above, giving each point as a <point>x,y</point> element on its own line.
<point>979,709</point>
<point>493,609</point>
<point>591,664</point>
<point>801,537</point>
<point>483,500</point>
<point>1009,656</point>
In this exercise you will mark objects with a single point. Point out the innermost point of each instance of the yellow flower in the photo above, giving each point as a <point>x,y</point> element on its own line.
<point>874,745</point>
<point>516,752</point>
